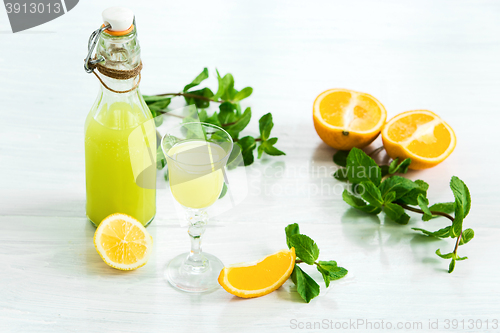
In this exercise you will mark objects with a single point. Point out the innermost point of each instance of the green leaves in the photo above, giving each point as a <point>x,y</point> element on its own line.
<point>290,230</point>
<point>265,126</point>
<point>242,94</point>
<point>306,286</point>
<point>246,146</point>
<point>340,157</point>
<point>305,248</point>
<point>239,125</point>
<point>226,85</point>
<point>441,233</point>
<point>161,161</point>
<point>410,197</point>
<point>382,190</point>
<point>157,105</point>
<point>396,167</point>
<point>400,185</point>
<point>423,203</point>
<point>267,144</point>
<point>396,213</point>
<point>269,148</point>
<point>307,251</point>
<point>229,116</point>
<point>330,271</point>
<point>223,191</point>
<point>453,256</point>
<point>371,194</point>
<point>467,235</point>
<point>200,78</point>
<point>362,167</point>
<point>359,203</point>
<point>462,204</point>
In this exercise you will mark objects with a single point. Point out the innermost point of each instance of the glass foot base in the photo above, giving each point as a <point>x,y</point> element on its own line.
<point>194,279</point>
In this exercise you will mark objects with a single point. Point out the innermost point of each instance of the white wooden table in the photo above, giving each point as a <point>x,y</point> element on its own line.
<point>443,56</point>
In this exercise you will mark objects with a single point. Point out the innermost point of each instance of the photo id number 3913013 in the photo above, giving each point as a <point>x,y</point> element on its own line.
<point>471,324</point>
<point>33,8</point>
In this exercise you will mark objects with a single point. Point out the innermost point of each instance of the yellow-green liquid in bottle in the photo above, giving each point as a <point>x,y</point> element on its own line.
<point>120,162</point>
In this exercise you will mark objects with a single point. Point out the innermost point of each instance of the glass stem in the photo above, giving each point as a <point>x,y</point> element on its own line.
<point>197,220</point>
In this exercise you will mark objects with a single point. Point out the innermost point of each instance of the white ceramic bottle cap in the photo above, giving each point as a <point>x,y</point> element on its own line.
<point>120,18</point>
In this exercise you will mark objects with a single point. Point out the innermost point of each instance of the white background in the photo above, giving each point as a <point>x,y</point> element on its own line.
<point>438,55</point>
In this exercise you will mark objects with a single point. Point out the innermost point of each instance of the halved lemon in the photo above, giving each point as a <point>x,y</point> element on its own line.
<point>123,242</point>
<point>420,135</point>
<point>346,118</point>
<point>258,278</point>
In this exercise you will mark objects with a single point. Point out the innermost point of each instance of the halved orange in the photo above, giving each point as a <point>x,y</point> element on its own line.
<point>420,135</point>
<point>346,118</point>
<point>123,242</point>
<point>258,278</point>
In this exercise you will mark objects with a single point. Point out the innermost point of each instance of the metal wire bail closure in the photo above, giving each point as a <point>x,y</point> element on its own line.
<point>89,64</point>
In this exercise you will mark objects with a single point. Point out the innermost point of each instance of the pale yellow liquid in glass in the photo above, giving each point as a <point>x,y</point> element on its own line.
<point>120,142</point>
<point>195,176</point>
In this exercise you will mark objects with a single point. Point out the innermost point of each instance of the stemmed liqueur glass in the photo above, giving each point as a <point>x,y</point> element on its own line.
<point>196,155</point>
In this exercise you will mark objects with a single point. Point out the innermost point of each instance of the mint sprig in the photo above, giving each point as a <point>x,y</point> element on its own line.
<point>307,252</point>
<point>230,115</point>
<point>377,188</point>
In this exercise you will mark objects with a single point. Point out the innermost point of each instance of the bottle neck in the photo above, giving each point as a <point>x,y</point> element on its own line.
<point>120,87</point>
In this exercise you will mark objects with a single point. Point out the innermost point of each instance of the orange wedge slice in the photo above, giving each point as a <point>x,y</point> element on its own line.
<point>346,118</point>
<point>123,242</point>
<point>259,278</point>
<point>420,135</point>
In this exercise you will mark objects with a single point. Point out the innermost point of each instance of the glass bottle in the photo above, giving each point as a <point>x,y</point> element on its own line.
<point>120,139</point>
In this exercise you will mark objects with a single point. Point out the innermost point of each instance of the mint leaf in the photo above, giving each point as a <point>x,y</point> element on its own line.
<point>371,194</point>
<point>362,167</point>
<point>242,94</point>
<point>452,265</point>
<point>385,170</point>
<point>396,213</point>
<point>305,248</point>
<point>341,174</point>
<point>226,113</point>
<point>467,235</point>
<point>359,203</point>
<point>306,286</point>
<point>161,161</point>
<point>201,77</point>
<point>157,103</point>
<point>330,271</point>
<point>457,258</point>
<point>235,129</point>
<point>247,145</point>
<point>340,157</point>
<point>402,186</point>
<point>157,106</point>
<point>200,103</point>
<point>445,207</point>
<point>441,233</point>
<point>268,148</point>
<point>225,83</point>
<point>461,193</point>
<point>290,230</point>
<point>423,203</point>
<point>444,256</point>
<point>402,167</point>
<point>462,204</point>
<point>265,126</point>
<point>389,197</point>
<point>410,197</point>
<point>223,191</point>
